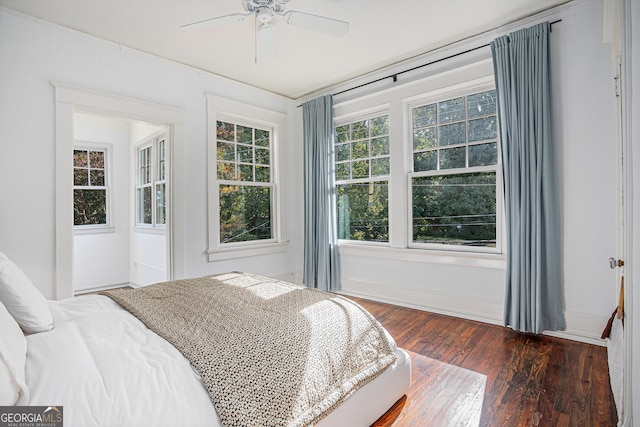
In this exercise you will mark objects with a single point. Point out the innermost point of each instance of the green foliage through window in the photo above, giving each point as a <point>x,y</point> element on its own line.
<point>89,187</point>
<point>363,211</point>
<point>362,167</point>
<point>451,204</point>
<point>455,209</point>
<point>245,186</point>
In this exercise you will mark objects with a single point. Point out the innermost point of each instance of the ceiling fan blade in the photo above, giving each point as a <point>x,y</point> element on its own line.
<point>214,22</point>
<point>317,23</point>
<point>267,41</point>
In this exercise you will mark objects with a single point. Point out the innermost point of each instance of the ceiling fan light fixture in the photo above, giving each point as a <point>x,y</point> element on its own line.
<point>264,15</point>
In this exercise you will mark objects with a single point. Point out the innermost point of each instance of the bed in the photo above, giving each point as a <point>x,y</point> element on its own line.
<point>105,367</point>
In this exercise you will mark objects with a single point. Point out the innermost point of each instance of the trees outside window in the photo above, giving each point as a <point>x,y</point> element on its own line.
<point>362,169</point>
<point>455,158</point>
<point>428,163</point>
<point>244,181</point>
<point>90,187</point>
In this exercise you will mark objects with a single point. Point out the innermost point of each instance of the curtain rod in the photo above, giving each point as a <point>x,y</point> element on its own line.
<point>394,76</point>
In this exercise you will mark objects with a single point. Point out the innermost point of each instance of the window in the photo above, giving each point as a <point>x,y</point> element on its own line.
<point>362,168</point>
<point>243,142</point>
<point>90,187</point>
<point>455,168</point>
<point>245,183</point>
<point>151,183</point>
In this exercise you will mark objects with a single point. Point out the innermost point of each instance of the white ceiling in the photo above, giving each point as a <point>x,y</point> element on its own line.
<point>381,33</point>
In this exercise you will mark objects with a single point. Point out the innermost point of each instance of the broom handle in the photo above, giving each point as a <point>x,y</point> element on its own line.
<point>621,300</point>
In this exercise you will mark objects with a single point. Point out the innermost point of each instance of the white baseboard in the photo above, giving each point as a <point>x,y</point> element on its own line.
<point>580,327</point>
<point>100,288</point>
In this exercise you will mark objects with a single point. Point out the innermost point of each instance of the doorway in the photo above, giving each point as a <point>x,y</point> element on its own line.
<point>120,203</point>
<point>71,101</point>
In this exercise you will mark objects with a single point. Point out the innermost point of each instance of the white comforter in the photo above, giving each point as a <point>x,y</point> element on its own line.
<point>107,369</point>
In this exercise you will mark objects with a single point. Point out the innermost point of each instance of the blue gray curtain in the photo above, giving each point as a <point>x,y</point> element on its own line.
<point>534,300</point>
<point>321,269</point>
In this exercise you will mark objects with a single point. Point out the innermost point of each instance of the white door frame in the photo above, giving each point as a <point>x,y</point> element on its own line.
<point>71,99</point>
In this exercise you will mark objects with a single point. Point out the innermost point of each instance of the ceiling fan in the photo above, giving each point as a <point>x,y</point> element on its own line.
<point>264,11</point>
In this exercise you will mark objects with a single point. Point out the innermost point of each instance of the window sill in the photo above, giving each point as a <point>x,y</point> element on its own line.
<point>221,254</point>
<point>467,259</point>
<point>103,229</point>
<point>150,230</point>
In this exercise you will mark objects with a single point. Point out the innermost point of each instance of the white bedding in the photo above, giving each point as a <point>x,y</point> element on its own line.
<point>107,369</point>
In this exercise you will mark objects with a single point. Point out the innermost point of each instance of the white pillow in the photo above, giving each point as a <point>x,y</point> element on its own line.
<point>13,356</point>
<point>22,299</point>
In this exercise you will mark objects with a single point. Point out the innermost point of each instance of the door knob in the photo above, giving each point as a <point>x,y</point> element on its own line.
<point>613,263</point>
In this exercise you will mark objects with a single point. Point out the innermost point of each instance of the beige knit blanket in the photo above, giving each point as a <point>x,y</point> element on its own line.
<point>269,353</point>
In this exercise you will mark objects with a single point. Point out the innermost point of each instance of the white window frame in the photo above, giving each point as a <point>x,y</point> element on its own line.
<point>457,77</point>
<point>107,149</point>
<point>456,92</point>
<point>365,115</point>
<point>150,143</point>
<point>226,110</point>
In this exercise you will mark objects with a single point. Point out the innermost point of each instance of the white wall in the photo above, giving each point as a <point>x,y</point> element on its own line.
<point>102,259</point>
<point>34,53</point>
<point>585,132</point>
<point>633,296</point>
<point>148,249</point>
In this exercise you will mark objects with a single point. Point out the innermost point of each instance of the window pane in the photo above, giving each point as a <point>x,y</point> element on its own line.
<point>244,134</point>
<point>343,171</point>
<point>359,130</point>
<point>452,158</point>
<point>80,177</point>
<point>380,167</point>
<point>343,133</point>
<point>481,104</point>
<point>96,177</point>
<point>360,169</point>
<point>380,126</point>
<point>146,205</point>
<point>343,152</point>
<point>455,209</point>
<point>245,153</point>
<point>363,211</point>
<point>262,138</point>
<point>360,150</point>
<point>160,204</point>
<point>245,172</point>
<point>245,213</point>
<point>424,116</point>
<point>424,138</point>
<point>226,151</point>
<point>452,134</point>
<point>89,207</point>
<point>263,174</point>
<point>145,166</point>
<point>380,146</point>
<point>451,110</point>
<point>96,159</point>
<point>426,161</point>
<point>225,131</point>
<point>482,129</point>
<point>80,158</point>
<point>161,153</point>
<point>262,156</point>
<point>226,171</point>
<point>483,154</point>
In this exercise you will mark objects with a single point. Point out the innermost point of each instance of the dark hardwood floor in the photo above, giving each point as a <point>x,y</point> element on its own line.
<point>468,373</point>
